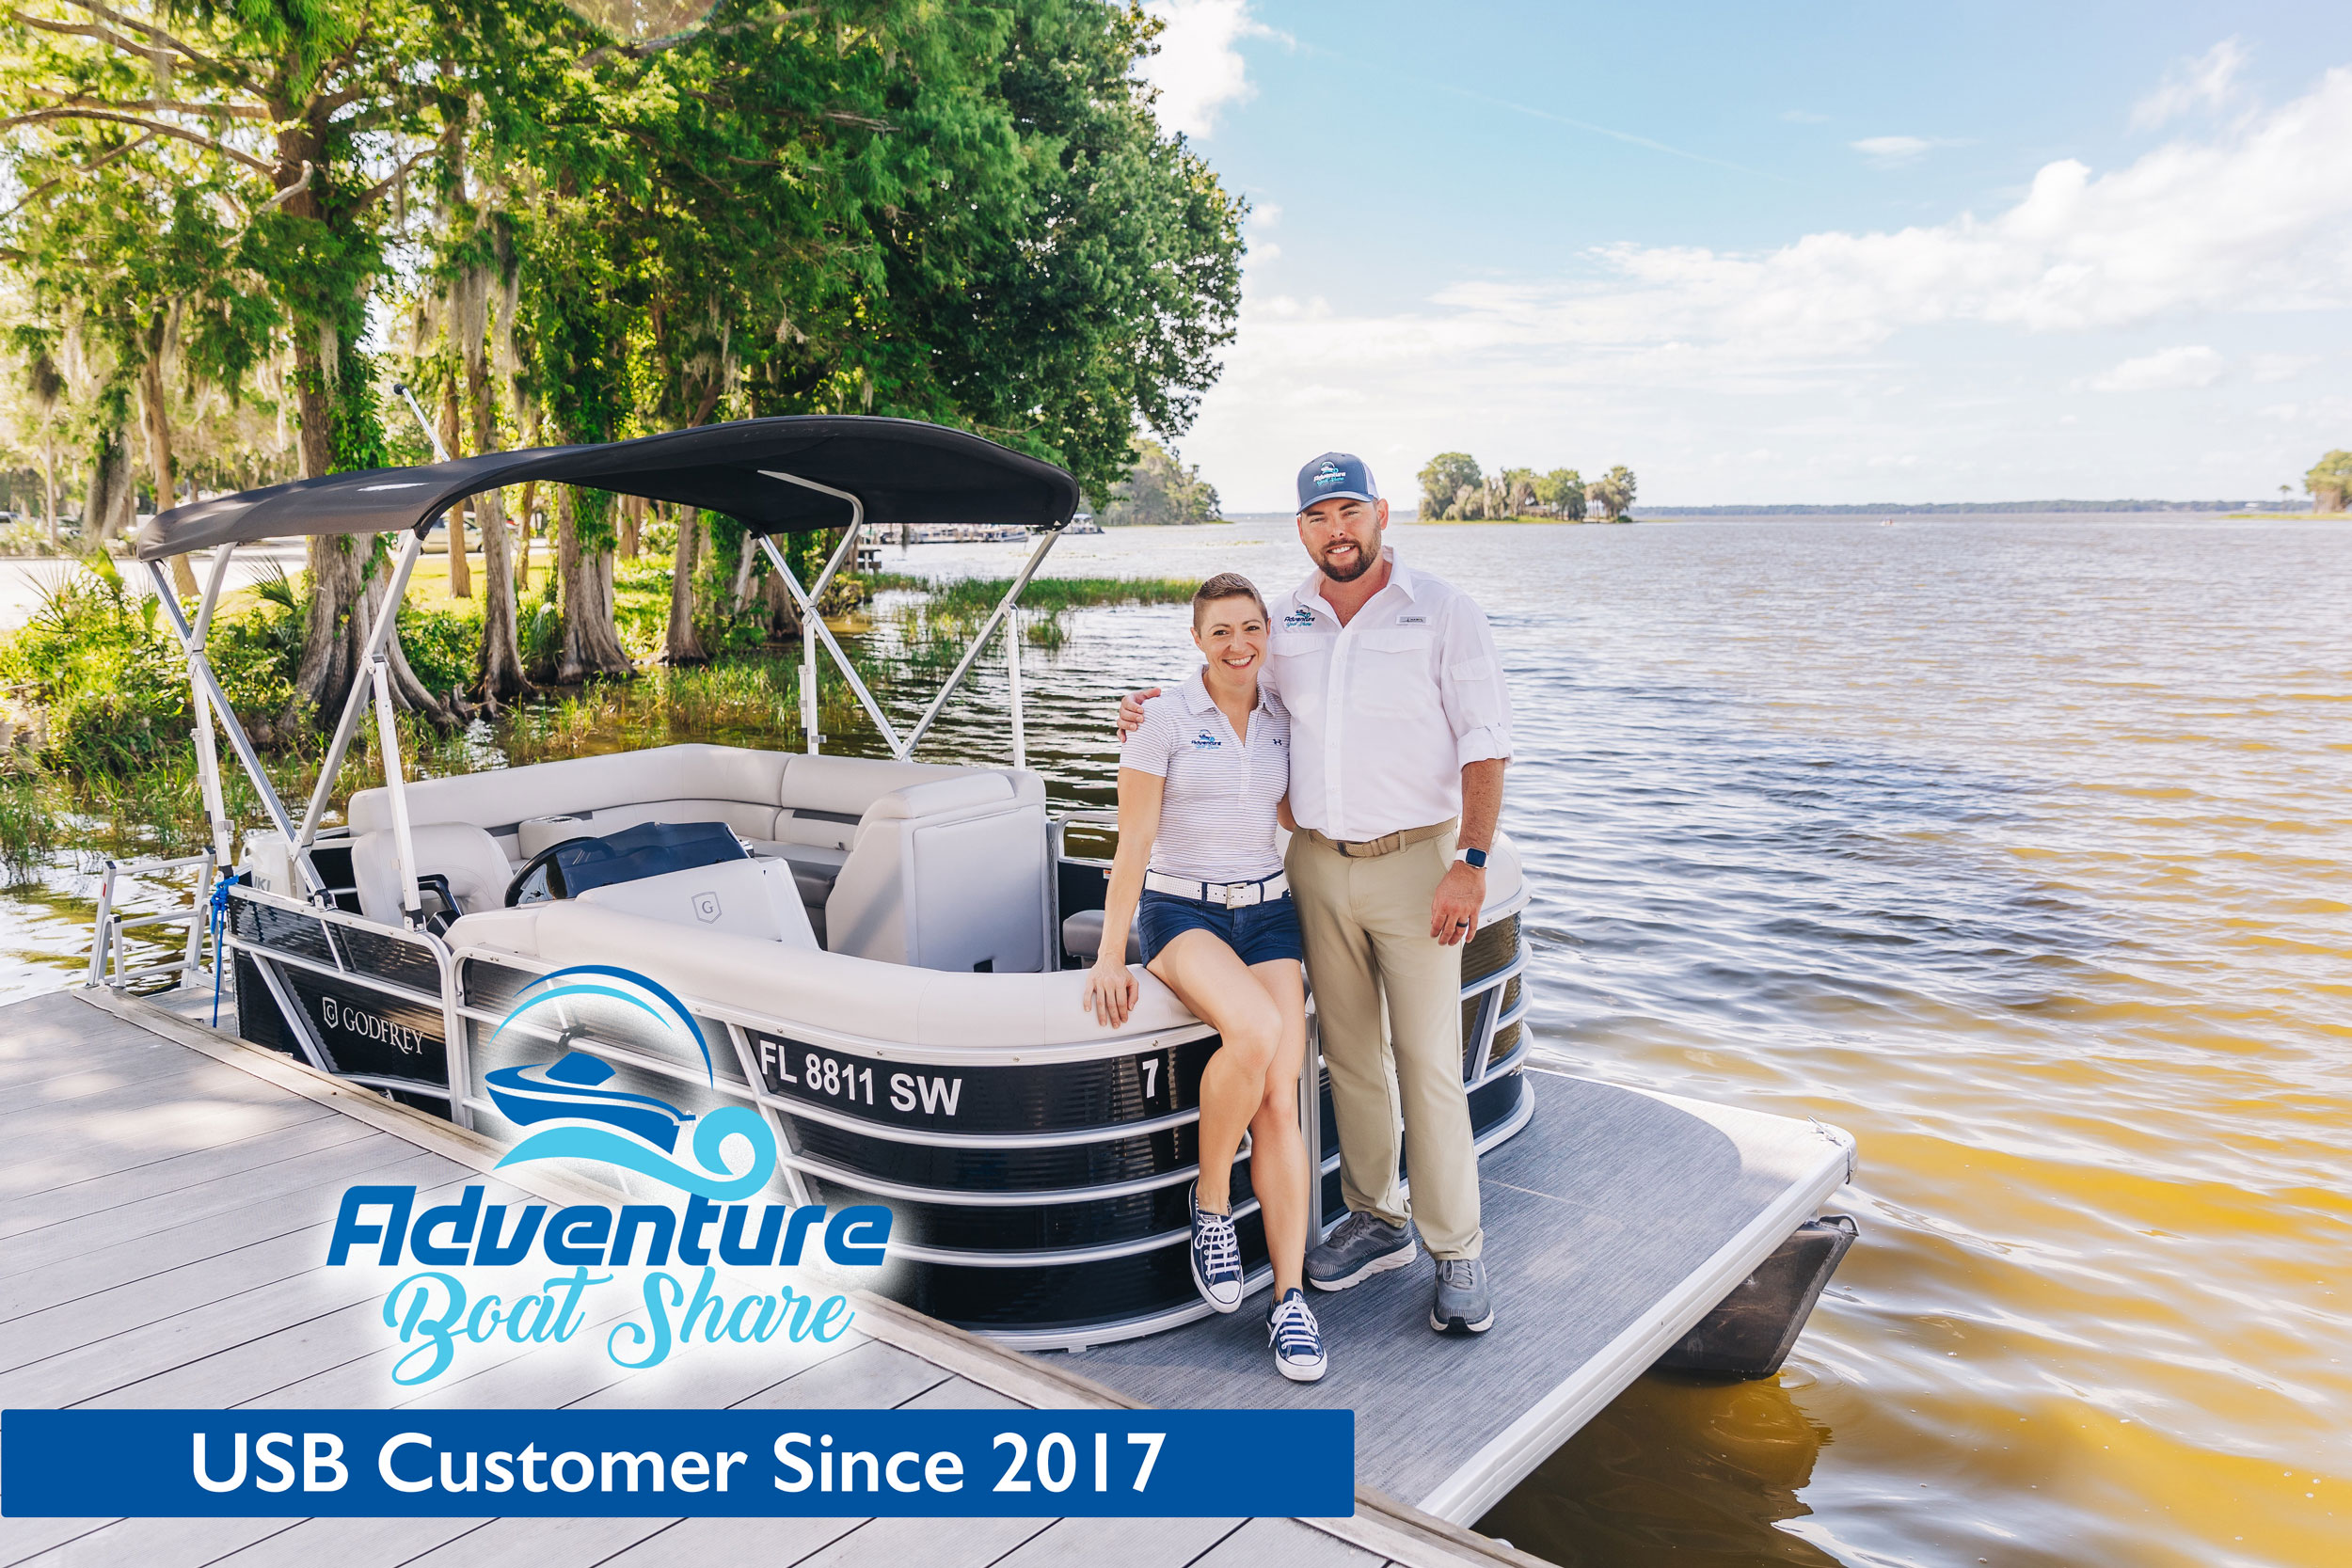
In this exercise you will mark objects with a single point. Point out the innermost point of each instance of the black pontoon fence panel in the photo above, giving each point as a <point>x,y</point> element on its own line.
<point>902,471</point>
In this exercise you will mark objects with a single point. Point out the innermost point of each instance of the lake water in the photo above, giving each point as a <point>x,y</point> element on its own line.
<point>2019,847</point>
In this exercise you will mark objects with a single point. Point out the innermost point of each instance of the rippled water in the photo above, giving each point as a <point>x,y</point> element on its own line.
<point>2022,849</point>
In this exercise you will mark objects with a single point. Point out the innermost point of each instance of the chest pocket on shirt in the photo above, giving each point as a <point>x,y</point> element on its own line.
<point>1392,672</point>
<point>1297,660</point>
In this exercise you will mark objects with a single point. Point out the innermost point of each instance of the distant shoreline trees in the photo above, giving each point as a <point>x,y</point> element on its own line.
<point>2330,482</point>
<point>1454,488</point>
<point>1158,490</point>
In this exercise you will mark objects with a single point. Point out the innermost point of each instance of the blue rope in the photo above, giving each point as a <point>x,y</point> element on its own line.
<point>220,907</point>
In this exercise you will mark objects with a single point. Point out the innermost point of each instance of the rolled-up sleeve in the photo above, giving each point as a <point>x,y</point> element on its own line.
<point>1477,706</point>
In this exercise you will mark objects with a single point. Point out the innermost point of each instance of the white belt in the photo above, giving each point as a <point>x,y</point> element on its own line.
<point>1233,895</point>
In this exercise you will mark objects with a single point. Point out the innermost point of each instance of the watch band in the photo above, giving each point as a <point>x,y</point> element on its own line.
<point>1477,858</point>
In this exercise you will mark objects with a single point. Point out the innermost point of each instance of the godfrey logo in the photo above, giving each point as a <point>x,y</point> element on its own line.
<point>339,1016</point>
<point>575,1109</point>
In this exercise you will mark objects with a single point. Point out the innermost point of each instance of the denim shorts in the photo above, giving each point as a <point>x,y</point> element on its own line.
<point>1257,933</point>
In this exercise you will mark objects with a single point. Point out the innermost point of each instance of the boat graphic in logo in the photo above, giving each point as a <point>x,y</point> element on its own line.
<point>583,1115</point>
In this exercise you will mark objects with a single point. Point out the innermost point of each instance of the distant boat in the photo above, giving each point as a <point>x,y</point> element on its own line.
<point>569,1088</point>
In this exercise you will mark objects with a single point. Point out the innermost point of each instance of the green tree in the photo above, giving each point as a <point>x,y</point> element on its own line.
<point>1159,489</point>
<point>302,118</point>
<point>1613,493</point>
<point>1518,487</point>
<point>2330,482</point>
<point>1443,478</point>
<point>1562,490</point>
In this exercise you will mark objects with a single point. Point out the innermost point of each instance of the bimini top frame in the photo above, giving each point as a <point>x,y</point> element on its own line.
<point>778,475</point>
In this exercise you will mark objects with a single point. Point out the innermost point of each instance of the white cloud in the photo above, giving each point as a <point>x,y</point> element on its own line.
<point>2254,218</point>
<point>1262,216</point>
<point>2166,370</point>
<point>1886,151</point>
<point>2282,367</point>
<point>2259,219</point>
<point>1198,69</point>
<point>2206,81</point>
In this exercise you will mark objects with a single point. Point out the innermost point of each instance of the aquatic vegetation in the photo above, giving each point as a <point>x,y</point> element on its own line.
<point>936,619</point>
<point>109,686</point>
<point>29,829</point>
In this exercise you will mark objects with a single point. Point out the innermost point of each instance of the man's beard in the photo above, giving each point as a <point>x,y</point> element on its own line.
<point>1363,564</point>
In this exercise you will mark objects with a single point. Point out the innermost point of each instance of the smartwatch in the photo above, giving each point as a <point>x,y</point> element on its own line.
<point>1477,859</point>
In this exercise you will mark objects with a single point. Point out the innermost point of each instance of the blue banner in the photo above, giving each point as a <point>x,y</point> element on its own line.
<point>387,1464</point>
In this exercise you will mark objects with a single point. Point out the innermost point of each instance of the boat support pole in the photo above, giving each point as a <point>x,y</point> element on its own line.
<point>404,841</point>
<point>208,689</point>
<point>348,725</point>
<point>813,626</point>
<point>1012,681</point>
<point>1004,608</point>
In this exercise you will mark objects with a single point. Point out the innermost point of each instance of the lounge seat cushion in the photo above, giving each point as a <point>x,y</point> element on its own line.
<point>851,997</point>
<point>500,798</point>
<point>1082,936</point>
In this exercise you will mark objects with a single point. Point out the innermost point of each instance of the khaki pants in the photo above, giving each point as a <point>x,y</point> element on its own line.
<point>1366,924</point>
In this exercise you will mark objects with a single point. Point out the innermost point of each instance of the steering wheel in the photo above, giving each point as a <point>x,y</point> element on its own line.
<point>541,880</point>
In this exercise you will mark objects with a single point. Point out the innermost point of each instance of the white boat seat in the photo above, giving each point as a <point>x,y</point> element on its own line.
<point>813,867</point>
<point>744,898</point>
<point>1082,936</point>
<point>951,874</point>
<point>929,864</point>
<point>467,856</point>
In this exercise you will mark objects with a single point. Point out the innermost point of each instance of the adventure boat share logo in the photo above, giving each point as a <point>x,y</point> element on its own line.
<point>635,1131</point>
<point>488,1276</point>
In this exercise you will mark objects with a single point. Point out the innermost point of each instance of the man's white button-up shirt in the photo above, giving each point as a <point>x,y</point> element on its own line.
<point>1387,710</point>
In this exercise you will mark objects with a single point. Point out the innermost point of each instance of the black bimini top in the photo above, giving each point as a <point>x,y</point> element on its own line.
<point>902,471</point>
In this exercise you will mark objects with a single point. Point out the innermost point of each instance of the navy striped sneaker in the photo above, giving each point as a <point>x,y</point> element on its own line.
<point>1215,1254</point>
<point>1298,1337</point>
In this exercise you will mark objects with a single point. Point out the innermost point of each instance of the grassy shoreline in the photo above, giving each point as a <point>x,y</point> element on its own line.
<point>95,751</point>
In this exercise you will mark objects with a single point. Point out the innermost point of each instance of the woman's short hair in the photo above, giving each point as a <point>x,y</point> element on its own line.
<point>1225,585</point>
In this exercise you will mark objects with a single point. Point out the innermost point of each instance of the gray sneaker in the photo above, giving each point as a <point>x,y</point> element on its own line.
<point>1360,1246</point>
<point>1462,1306</point>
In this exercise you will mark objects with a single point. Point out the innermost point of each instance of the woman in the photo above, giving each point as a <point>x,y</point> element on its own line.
<point>1201,786</point>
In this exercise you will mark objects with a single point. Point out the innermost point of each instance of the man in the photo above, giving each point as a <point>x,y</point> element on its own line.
<point>1400,732</point>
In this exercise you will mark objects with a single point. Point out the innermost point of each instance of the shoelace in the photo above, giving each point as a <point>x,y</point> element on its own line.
<point>1220,1248</point>
<point>1355,1226</point>
<point>1293,1330</point>
<point>1458,1272</point>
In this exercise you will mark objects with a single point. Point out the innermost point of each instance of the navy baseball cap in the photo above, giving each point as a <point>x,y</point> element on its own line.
<point>1336,473</point>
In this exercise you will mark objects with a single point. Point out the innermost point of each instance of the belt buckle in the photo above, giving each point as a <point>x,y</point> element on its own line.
<point>1230,891</point>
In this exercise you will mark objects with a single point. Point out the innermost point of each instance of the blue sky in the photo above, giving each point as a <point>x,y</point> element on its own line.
<point>1835,252</point>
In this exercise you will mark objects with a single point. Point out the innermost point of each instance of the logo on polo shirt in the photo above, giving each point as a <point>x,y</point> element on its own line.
<point>1412,620</point>
<point>1204,741</point>
<point>1302,616</point>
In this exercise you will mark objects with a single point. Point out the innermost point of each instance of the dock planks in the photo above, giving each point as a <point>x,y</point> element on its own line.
<point>196,1178</point>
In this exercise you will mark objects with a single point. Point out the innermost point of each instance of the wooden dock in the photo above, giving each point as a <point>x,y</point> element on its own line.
<point>165,1195</point>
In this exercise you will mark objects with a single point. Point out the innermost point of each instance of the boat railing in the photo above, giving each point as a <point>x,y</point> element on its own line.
<point>109,954</point>
<point>276,934</point>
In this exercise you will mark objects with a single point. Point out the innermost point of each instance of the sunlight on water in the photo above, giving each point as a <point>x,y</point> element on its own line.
<point>2020,847</point>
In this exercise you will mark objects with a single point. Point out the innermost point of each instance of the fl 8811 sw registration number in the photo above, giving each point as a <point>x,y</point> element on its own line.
<point>794,1069</point>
